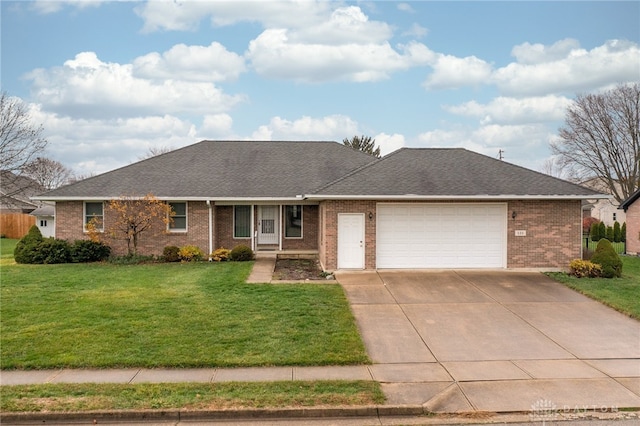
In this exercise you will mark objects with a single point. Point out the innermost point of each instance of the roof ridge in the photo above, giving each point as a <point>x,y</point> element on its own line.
<point>358,169</point>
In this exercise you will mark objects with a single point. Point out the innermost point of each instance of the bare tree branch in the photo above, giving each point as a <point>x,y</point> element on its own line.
<point>601,139</point>
<point>49,173</point>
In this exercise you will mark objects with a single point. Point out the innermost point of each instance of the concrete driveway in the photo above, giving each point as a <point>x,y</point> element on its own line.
<point>493,341</point>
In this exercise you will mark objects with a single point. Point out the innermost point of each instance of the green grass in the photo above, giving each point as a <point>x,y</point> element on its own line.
<point>6,250</point>
<point>622,294</point>
<point>168,315</point>
<point>189,396</point>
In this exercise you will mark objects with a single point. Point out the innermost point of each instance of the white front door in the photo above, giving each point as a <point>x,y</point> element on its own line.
<point>268,225</point>
<point>350,241</point>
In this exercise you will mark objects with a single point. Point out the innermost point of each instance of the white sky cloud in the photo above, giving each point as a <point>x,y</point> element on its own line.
<point>564,67</point>
<point>52,6</point>
<point>332,127</point>
<point>72,140</point>
<point>505,110</point>
<point>389,143</point>
<point>86,86</point>
<point>211,63</point>
<point>187,15</point>
<point>451,72</point>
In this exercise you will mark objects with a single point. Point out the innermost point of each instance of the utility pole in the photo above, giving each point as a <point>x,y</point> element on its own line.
<point>500,156</point>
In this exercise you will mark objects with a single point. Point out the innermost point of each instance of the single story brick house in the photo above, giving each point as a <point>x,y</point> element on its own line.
<point>414,208</point>
<point>631,207</point>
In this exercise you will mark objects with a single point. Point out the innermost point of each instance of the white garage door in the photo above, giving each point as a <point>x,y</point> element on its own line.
<point>441,235</point>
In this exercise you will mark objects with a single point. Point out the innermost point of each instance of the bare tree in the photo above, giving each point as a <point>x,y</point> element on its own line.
<point>154,151</point>
<point>20,140</point>
<point>553,166</point>
<point>363,143</point>
<point>601,139</point>
<point>49,173</point>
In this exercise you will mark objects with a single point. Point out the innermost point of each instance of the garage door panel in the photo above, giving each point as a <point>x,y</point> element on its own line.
<point>441,235</point>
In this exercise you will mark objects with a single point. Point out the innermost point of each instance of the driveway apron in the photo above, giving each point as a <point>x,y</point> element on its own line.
<point>493,341</point>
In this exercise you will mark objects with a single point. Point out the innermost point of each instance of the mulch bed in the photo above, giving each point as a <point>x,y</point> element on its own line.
<point>298,270</point>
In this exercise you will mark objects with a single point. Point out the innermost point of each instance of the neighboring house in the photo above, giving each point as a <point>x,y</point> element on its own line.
<point>15,193</point>
<point>605,210</point>
<point>631,207</point>
<point>414,208</point>
<point>45,219</point>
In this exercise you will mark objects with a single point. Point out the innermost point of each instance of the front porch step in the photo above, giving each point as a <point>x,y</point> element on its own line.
<point>288,254</point>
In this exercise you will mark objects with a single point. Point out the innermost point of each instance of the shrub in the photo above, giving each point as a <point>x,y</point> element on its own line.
<point>595,231</point>
<point>171,254</point>
<point>609,234</point>
<point>89,251</point>
<point>602,231</point>
<point>241,253</point>
<point>25,250</point>
<point>221,255</point>
<point>608,259</point>
<point>616,232</point>
<point>583,268</point>
<point>53,250</point>
<point>623,232</point>
<point>190,253</point>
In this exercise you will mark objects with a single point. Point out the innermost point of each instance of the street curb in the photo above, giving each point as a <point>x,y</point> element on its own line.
<point>235,414</point>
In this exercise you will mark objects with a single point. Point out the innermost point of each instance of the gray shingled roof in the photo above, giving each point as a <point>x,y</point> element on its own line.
<point>247,169</point>
<point>224,169</point>
<point>447,172</point>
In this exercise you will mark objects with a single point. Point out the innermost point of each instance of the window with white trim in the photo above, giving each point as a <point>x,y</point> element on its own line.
<point>293,221</point>
<point>94,214</point>
<point>241,221</point>
<point>178,222</point>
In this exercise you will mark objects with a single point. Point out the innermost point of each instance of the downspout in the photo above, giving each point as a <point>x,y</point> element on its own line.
<point>210,228</point>
<point>253,230</point>
<point>280,227</point>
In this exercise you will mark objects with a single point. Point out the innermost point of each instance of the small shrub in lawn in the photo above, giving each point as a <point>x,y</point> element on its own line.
<point>606,256</point>
<point>89,251</point>
<point>171,254</point>
<point>190,254</point>
<point>241,253</point>
<point>221,255</point>
<point>27,247</point>
<point>584,268</point>
<point>52,250</point>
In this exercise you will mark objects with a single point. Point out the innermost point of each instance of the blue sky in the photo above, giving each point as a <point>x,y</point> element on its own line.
<point>111,79</point>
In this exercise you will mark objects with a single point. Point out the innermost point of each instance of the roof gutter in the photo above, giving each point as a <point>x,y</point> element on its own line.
<point>165,198</point>
<point>456,197</point>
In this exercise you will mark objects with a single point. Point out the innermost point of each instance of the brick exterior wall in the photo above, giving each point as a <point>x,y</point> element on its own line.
<point>633,228</point>
<point>69,226</point>
<point>553,233</point>
<point>329,218</point>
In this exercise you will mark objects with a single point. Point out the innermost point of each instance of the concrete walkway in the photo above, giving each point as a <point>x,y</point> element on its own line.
<point>452,341</point>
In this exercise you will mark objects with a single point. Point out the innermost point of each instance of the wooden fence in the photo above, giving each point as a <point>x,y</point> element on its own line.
<point>15,225</point>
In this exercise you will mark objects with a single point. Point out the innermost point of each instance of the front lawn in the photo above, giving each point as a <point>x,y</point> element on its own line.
<point>168,315</point>
<point>622,294</point>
